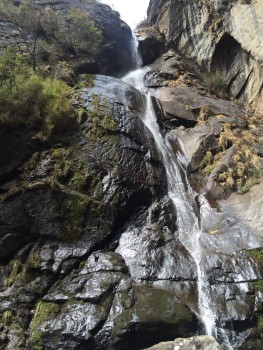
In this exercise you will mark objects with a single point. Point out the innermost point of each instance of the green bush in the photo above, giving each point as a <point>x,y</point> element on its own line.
<point>58,111</point>
<point>214,80</point>
<point>29,100</point>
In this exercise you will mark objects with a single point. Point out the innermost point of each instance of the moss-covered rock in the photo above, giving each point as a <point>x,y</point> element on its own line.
<point>43,312</point>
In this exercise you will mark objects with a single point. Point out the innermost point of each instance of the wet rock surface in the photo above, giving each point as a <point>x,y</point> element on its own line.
<point>195,121</point>
<point>67,204</point>
<point>90,253</point>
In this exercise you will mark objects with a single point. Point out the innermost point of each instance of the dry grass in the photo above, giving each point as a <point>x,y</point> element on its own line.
<point>243,168</point>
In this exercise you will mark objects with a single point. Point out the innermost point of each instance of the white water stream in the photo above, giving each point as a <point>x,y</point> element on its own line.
<point>195,217</point>
<point>184,199</point>
<point>192,209</point>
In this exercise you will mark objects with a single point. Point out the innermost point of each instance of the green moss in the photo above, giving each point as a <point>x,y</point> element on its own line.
<point>89,80</point>
<point>101,123</point>
<point>260,322</point>
<point>16,272</point>
<point>108,123</point>
<point>258,285</point>
<point>208,170</point>
<point>214,80</point>
<point>247,187</point>
<point>257,254</point>
<point>44,312</point>
<point>206,160</point>
<point>255,344</point>
<point>7,317</point>
<point>81,114</point>
<point>71,171</point>
<point>73,209</point>
<point>35,259</point>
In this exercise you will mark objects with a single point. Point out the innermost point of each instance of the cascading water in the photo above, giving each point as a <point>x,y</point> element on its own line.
<point>195,217</point>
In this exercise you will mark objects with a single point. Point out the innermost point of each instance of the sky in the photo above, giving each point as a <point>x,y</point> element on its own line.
<point>131,11</point>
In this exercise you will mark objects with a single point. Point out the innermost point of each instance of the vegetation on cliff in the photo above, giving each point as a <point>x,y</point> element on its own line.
<point>30,100</point>
<point>51,35</point>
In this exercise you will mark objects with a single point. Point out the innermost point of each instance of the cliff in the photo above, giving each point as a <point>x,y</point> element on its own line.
<point>115,54</point>
<point>219,35</point>
<point>91,248</point>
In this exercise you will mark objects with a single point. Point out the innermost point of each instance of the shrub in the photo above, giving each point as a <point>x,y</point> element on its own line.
<point>214,80</point>
<point>58,111</point>
<point>32,101</point>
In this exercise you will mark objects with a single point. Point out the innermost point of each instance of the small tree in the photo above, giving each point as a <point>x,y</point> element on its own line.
<point>28,18</point>
<point>11,64</point>
<point>49,33</point>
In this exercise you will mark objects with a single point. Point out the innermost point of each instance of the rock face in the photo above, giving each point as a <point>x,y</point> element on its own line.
<point>151,45</point>
<point>116,54</point>
<point>90,247</point>
<point>197,123</point>
<point>72,199</point>
<point>248,207</point>
<point>210,32</point>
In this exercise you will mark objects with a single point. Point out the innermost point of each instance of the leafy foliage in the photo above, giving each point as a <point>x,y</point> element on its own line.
<point>29,100</point>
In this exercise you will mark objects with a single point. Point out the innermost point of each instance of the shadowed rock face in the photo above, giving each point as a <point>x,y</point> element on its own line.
<point>115,55</point>
<point>210,32</point>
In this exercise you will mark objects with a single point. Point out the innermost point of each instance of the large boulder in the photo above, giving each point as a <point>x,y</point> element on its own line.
<point>194,343</point>
<point>247,207</point>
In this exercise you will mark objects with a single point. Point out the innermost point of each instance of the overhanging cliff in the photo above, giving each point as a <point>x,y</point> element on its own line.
<point>219,34</point>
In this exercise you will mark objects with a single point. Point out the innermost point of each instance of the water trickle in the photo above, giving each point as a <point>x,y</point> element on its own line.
<point>136,54</point>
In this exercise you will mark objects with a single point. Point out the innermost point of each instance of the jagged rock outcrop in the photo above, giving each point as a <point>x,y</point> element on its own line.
<point>210,32</point>
<point>151,45</point>
<point>248,207</point>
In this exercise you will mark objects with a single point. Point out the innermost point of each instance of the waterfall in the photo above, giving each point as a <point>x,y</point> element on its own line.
<point>136,54</point>
<point>195,217</point>
<point>184,200</point>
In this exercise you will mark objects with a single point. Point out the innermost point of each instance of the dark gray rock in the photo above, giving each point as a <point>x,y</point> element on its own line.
<point>151,45</point>
<point>152,251</point>
<point>151,314</point>
<point>113,58</point>
<point>182,106</point>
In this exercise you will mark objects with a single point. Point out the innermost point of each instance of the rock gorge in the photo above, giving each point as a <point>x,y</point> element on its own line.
<point>91,253</point>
